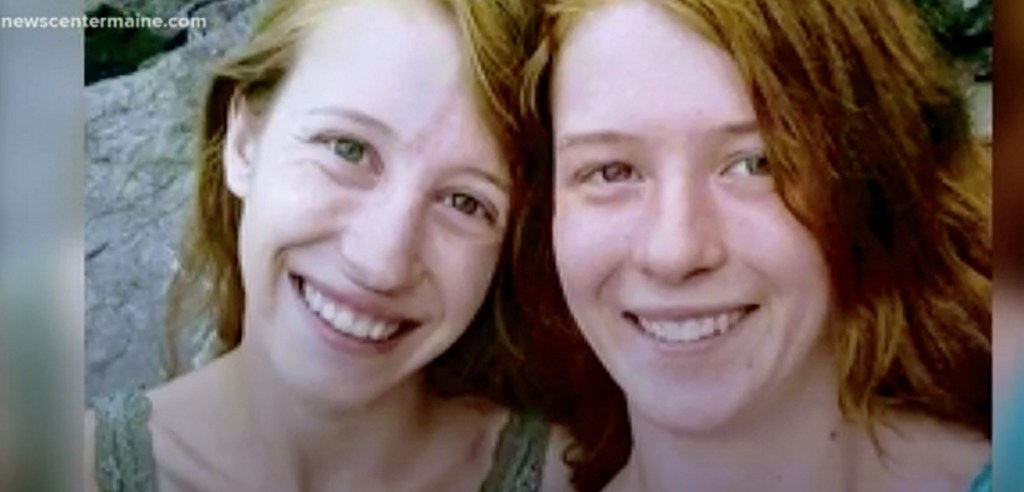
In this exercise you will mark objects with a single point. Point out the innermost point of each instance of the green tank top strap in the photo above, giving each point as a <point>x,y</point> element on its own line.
<point>519,456</point>
<point>124,445</point>
<point>983,481</point>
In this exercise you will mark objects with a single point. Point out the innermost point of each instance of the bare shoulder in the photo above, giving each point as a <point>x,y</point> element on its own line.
<point>191,428</point>
<point>557,474</point>
<point>923,454</point>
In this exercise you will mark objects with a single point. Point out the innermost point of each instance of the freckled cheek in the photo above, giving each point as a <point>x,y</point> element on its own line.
<point>787,257</point>
<point>805,262</point>
<point>296,219</point>
<point>287,207</point>
<point>464,271</point>
<point>771,238</point>
<point>480,261</point>
<point>589,242</point>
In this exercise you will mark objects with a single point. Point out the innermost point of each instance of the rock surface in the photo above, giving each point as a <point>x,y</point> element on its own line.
<point>153,8</point>
<point>139,144</point>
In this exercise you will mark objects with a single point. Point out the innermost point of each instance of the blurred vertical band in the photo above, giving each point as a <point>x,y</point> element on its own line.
<point>41,259</point>
<point>1008,168</point>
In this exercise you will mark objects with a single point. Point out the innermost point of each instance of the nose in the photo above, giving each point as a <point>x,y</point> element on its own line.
<point>379,243</point>
<point>681,236</point>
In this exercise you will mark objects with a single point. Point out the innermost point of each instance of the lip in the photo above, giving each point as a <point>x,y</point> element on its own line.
<point>361,305</point>
<point>689,348</point>
<point>343,342</point>
<point>684,313</point>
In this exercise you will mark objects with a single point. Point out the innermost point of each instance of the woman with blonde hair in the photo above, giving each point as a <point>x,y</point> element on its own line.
<point>765,246</point>
<point>358,170</point>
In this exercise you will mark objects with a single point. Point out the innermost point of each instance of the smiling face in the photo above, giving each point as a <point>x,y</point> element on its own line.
<point>697,288</point>
<point>374,202</point>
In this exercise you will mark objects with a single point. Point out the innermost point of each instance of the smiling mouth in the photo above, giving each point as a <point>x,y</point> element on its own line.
<point>346,321</point>
<point>692,329</point>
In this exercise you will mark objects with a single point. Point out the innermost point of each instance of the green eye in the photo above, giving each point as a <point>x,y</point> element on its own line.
<point>351,150</point>
<point>755,165</point>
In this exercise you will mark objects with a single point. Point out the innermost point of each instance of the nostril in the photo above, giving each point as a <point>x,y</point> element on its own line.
<point>674,254</point>
<point>385,276</point>
<point>380,245</point>
<point>377,267</point>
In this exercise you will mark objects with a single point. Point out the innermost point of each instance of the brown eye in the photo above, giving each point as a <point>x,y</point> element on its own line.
<point>617,172</point>
<point>468,205</point>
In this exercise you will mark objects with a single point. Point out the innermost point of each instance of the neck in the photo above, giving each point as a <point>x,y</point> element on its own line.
<point>800,441</point>
<point>312,442</point>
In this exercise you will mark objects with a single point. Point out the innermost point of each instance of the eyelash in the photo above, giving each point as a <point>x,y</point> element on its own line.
<point>602,172</point>
<point>478,206</point>
<point>332,143</point>
<point>756,159</point>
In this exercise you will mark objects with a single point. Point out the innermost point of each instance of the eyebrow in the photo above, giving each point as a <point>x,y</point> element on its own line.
<point>358,117</point>
<point>739,128</point>
<point>492,178</point>
<point>602,137</point>
<point>370,121</point>
<point>611,137</point>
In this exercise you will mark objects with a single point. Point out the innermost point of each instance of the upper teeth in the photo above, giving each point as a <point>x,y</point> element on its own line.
<point>692,329</point>
<point>345,320</point>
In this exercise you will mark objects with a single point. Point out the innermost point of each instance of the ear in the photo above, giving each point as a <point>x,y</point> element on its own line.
<point>239,147</point>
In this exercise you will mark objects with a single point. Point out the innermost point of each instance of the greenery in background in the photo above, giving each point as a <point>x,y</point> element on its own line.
<point>964,29</point>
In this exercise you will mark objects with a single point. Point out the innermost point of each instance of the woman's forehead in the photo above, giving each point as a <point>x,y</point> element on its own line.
<point>357,29</point>
<point>662,74</point>
<point>375,59</point>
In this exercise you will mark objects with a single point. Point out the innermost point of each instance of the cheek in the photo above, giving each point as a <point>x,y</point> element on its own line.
<point>588,242</point>
<point>294,202</point>
<point>462,271</point>
<point>776,244</point>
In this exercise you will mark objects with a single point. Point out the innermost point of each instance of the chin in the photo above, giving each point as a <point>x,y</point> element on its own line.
<point>691,411</point>
<point>309,382</point>
<point>684,420</point>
